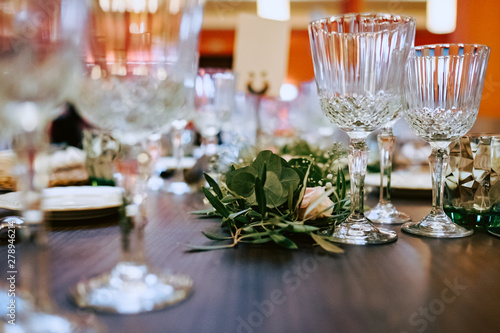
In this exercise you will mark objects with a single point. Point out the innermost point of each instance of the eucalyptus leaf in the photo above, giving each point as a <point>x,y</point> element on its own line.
<point>241,219</point>
<point>283,241</point>
<point>257,240</point>
<point>268,158</point>
<point>290,196</point>
<point>212,236</point>
<point>216,203</point>
<point>229,199</point>
<point>302,228</point>
<point>241,181</point>
<point>260,196</point>
<point>290,180</point>
<point>263,175</point>
<point>302,190</point>
<point>257,234</point>
<point>213,185</point>
<point>280,224</point>
<point>206,212</point>
<point>254,215</point>
<point>208,247</point>
<point>273,190</point>
<point>248,229</point>
<point>234,215</point>
<point>326,245</point>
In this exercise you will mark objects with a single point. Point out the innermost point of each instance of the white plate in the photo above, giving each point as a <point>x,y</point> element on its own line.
<point>72,202</point>
<point>169,163</point>
<point>404,180</point>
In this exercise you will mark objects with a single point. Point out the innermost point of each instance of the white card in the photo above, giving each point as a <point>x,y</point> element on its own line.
<point>261,51</point>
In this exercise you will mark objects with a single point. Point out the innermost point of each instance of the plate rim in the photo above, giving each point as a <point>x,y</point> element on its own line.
<point>66,191</point>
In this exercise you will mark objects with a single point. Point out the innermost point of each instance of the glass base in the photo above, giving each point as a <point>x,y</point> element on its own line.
<point>495,231</point>
<point>437,226</point>
<point>130,288</point>
<point>40,322</point>
<point>387,214</point>
<point>178,188</point>
<point>20,317</point>
<point>361,232</point>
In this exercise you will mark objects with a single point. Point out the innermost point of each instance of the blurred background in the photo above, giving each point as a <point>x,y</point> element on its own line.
<point>438,21</point>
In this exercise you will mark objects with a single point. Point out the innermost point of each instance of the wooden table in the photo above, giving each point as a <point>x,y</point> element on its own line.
<point>412,285</point>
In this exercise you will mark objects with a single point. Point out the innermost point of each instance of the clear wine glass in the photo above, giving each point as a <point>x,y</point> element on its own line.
<point>139,67</point>
<point>176,184</point>
<point>443,91</point>
<point>38,63</point>
<point>385,212</point>
<point>359,62</point>
<point>215,99</point>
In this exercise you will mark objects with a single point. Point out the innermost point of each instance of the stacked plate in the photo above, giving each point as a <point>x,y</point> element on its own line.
<point>72,202</point>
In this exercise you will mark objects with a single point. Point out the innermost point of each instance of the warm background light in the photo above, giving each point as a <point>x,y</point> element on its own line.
<point>476,22</point>
<point>278,10</point>
<point>441,16</point>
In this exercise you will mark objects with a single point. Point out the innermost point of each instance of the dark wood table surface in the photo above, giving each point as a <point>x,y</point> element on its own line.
<point>412,285</point>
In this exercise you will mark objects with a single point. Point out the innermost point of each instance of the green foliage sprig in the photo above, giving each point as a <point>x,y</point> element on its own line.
<point>261,202</point>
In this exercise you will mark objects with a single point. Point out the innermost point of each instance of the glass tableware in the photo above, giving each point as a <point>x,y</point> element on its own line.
<point>359,65</point>
<point>176,183</point>
<point>443,91</point>
<point>100,150</point>
<point>472,187</point>
<point>140,63</point>
<point>215,100</point>
<point>385,212</point>
<point>38,62</point>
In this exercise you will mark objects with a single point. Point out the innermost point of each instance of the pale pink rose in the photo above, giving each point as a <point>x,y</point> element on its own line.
<point>312,194</point>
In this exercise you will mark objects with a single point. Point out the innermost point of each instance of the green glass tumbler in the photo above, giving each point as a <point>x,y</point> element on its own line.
<point>472,185</point>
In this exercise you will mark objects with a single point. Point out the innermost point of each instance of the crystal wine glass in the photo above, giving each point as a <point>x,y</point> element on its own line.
<point>443,91</point>
<point>215,99</point>
<point>38,63</point>
<point>359,62</point>
<point>176,184</point>
<point>384,211</point>
<point>139,66</point>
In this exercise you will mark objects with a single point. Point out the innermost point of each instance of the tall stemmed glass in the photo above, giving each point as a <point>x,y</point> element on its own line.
<point>359,65</point>
<point>176,184</point>
<point>443,91</point>
<point>215,99</point>
<point>385,212</point>
<point>140,65</point>
<point>38,61</point>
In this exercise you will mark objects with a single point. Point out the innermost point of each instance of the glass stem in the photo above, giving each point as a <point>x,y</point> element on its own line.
<point>211,143</point>
<point>135,166</point>
<point>32,179</point>
<point>358,159</point>
<point>386,146</point>
<point>258,122</point>
<point>438,161</point>
<point>178,150</point>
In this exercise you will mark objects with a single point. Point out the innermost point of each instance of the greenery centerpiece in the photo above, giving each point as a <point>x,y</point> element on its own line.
<point>270,199</point>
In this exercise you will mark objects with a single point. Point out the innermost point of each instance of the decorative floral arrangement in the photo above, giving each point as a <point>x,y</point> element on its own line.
<point>272,200</point>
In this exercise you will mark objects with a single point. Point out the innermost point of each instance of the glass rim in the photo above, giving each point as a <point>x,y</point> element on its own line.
<point>404,19</point>
<point>482,49</point>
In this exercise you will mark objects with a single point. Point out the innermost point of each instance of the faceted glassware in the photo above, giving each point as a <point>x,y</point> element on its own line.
<point>472,184</point>
<point>359,62</point>
<point>443,90</point>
